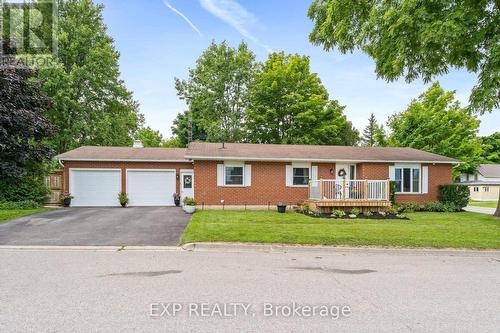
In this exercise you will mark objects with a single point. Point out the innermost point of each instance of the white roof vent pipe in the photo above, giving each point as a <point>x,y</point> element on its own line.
<point>138,144</point>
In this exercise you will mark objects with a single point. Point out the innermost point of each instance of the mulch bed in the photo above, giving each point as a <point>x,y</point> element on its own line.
<point>360,216</point>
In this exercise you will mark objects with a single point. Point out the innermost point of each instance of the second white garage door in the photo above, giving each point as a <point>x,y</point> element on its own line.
<point>151,187</point>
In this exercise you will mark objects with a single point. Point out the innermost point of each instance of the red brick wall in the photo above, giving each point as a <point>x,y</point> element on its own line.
<point>438,174</point>
<point>268,185</point>
<point>123,166</point>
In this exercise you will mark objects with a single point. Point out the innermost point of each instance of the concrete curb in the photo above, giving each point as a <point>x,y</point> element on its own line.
<point>88,248</point>
<point>282,248</point>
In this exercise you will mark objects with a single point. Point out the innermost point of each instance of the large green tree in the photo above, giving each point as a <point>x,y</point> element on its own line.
<point>216,91</point>
<point>373,134</point>
<point>490,148</point>
<point>418,38</point>
<point>91,105</point>
<point>149,137</point>
<point>289,104</point>
<point>435,122</point>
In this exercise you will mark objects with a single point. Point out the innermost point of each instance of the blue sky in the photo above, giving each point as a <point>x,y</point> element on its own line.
<point>160,39</point>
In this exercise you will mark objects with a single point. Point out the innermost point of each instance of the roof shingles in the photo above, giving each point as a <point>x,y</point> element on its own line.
<point>247,151</point>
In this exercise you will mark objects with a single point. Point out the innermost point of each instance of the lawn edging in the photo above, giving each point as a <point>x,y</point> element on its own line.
<point>289,248</point>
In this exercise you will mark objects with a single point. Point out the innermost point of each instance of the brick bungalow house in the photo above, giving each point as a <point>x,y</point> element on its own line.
<point>253,175</point>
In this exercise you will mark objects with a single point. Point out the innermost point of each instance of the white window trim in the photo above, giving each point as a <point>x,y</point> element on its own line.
<point>410,166</point>
<point>301,166</point>
<point>232,165</point>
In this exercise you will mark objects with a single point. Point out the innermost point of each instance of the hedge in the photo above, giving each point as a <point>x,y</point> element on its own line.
<point>455,194</point>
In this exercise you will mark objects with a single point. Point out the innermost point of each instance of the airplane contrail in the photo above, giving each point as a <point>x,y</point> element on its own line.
<point>191,24</point>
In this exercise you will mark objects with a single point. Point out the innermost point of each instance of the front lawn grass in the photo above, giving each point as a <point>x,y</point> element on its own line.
<point>9,214</point>
<point>487,204</point>
<point>439,230</point>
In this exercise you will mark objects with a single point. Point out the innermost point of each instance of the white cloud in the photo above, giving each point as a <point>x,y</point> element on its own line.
<point>191,24</point>
<point>234,14</point>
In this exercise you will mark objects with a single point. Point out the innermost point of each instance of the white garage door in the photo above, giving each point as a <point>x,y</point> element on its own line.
<point>151,187</point>
<point>98,187</point>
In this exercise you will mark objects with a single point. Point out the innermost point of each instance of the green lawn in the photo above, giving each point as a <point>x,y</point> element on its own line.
<point>9,214</point>
<point>440,230</point>
<point>488,204</point>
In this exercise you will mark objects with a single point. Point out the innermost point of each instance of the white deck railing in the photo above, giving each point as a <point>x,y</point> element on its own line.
<point>349,190</point>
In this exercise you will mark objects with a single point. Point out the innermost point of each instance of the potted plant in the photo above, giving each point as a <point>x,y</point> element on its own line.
<point>281,207</point>
<point>177,199</point>
<point>123,198</point>
<point>189,205</point>
<point>66,199</point>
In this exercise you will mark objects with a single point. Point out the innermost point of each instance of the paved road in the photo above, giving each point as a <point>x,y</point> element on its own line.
<point>110,291</point>
<point>484,210</point>
<point>98,226</point>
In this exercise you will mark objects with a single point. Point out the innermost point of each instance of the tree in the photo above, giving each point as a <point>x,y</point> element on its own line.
<point>436,123</point>
<point>24,127</point>
<point>289,104</point>
<point>24,130</point>
<point>216,90</point>
<point>415,38</point>
<point>185,127</point>
<point>490,148</point>
<point>91,104</point>
<point>149,137</point>
<point>373,134</point>
<point>172,143</point>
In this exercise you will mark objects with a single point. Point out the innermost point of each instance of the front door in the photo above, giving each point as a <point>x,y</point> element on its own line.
<point>187,184</point>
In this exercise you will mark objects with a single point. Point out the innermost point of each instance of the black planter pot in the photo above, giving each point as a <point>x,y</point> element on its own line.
<point>281,208</point>
<point>124,204</point>
<point>177,202</point>
<point>67,202</point>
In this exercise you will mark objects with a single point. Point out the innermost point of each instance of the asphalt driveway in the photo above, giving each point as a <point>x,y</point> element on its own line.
<point>98,226</point>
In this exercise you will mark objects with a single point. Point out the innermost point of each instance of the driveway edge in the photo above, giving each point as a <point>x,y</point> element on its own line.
<point>88,248</point>
<point>282,248</point>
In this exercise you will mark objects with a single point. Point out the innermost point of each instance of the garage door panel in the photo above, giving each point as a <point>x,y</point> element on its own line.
<point>95,187</point>
<point>151,187</point>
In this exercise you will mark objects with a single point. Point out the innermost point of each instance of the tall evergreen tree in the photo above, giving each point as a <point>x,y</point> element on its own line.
<point>373,134</point>
<point>91,105</point>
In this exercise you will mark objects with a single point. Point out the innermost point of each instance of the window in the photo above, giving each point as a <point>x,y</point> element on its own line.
<point>407,180</point>
<point>233,175</point>
<point>486,189</point>
<point>300,176</point>
<point>352,172</point>
<point>187,181</point>
<point>476,189</point>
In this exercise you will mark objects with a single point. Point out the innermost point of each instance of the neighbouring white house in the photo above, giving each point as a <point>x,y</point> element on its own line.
<point>484,185</point>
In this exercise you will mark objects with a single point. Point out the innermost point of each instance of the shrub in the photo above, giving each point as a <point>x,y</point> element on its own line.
<point>392,191</point>
<point>392,210</point>
<point>355,211</point>
<point>304,208</point>
<point>189,201</point>
<point>123,198</point>
<point>26,204</point>
<point>338,213</point>
<point>24,189</point>
<point>438,206</point>
<point>368,213</point>
<point>409,207</point>
<point>456,194</point>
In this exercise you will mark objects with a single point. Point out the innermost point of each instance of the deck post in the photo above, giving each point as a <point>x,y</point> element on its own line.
<point>365,191</point>
<point>387,189</point>
<point>321,188</point>
<point>343,188</point>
